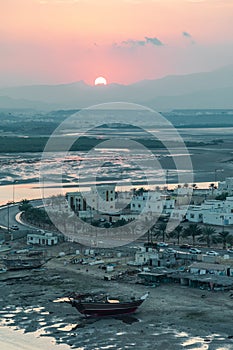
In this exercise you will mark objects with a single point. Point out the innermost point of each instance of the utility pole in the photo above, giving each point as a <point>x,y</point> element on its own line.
<point>43,187</point>
<point>167,177</point>
<point>8,217</point>
<point>13,191</point>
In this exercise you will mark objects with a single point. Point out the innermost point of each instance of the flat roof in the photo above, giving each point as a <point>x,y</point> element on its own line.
<point>208,266</point>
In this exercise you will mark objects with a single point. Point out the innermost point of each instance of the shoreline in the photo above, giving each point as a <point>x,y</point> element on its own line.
<point>11,337</point>
<point>21,190</point>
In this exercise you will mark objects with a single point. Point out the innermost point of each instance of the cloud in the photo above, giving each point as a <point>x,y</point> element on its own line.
<point>153,41</point>
<point>134,43</point>
<point>189,37</point>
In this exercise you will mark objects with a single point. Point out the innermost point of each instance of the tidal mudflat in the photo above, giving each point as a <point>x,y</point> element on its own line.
<point>173,317</point>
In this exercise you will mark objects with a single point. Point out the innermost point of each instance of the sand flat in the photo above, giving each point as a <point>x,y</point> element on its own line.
<point>16,340</point>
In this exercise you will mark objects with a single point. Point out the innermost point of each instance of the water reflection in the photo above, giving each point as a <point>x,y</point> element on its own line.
<point>121,332</point>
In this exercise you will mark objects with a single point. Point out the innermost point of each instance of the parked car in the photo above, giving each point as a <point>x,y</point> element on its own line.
<point>185,246</point>
<point>230,250</point>
<point>162,244</point>
<point>194,251</point>
<point>171,250</point>
<point>14,227</point>
<point>212,252</point>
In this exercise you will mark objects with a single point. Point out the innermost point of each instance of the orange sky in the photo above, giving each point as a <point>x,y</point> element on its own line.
<point>55,41</point>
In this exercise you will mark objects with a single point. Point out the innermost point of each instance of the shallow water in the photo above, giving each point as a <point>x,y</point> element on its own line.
<point>122,332</point>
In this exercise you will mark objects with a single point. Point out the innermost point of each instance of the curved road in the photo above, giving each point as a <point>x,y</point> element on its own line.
<point>10,212</point>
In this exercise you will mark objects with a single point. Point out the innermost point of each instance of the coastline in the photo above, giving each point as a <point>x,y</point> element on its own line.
<point>34,190</point>
<point>11,339</point>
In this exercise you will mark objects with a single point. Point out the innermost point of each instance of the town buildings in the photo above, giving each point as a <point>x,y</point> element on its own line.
<point>105,202</point>
<point>212,212</point>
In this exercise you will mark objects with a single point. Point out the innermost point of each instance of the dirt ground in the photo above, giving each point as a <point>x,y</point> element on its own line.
<point>173,317</point>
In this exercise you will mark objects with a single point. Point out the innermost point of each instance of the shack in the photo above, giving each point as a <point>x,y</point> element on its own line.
<point>203,268</point>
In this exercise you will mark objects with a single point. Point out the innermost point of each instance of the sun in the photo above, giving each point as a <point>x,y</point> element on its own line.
<point>100,81</point>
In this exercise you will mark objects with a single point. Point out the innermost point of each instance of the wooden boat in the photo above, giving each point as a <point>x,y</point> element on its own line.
<point>19,263</point>
<point>102,305</point>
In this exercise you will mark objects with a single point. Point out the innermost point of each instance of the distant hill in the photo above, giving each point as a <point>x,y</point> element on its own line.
<point>201,90</point>
<point>221,98</point>
<point>7,102</point>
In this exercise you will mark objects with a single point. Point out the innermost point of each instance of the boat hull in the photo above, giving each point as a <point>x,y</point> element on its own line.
<point>106,309</point>
<point>21,264</point>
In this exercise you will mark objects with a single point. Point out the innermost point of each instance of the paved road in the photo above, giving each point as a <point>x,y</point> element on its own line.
<point>8,215</point>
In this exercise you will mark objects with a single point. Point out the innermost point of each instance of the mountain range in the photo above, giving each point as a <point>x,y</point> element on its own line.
<point>194,91</point>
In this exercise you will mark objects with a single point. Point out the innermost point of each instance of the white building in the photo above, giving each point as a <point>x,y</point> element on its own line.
<point>213,212</point>
<point>98,199</point>
<point>42,238</point>
<point>215,218</point>
<point>179,213</point>
<point>144,255</point>
<point>154,202</point>
<point>226,186</point>
<point>195,213</point>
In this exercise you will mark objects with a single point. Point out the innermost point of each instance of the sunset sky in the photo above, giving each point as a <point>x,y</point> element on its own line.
<point>61,41</point>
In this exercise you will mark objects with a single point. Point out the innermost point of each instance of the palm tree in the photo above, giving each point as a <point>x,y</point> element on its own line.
<point>150,236</point>
<point>161,230</point>
<point>212,187</point>
<point>177,233</point>
<point>192,230</point>
<point>207,234</point>
<point>139,191</point>
<point>25,205</point>
<point>225,238</point>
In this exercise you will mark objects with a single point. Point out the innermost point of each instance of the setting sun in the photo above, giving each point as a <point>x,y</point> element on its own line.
<point>100,81</point>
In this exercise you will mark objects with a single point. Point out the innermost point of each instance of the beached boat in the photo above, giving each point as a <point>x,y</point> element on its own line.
<point>102,305</point>
<point>19,263</point>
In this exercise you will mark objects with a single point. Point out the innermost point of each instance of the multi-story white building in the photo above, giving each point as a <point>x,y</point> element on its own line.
<point>213,212</point>
<point>154,202</point>
<point>195,213</point>
<point>99,199</point>
<point>226,186</point>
